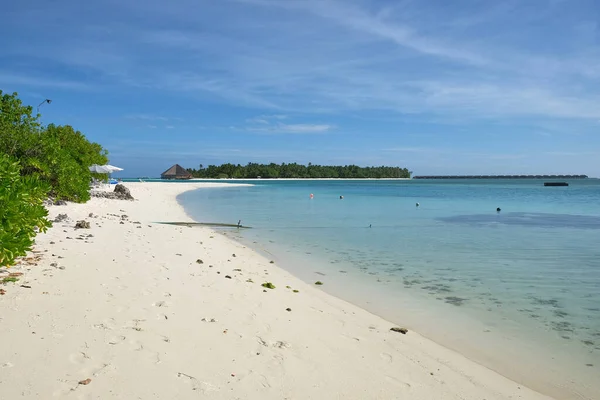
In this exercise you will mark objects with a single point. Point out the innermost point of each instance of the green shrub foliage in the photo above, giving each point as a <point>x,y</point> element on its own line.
<point>36,162</point>
<point>293,170</point>
<point>22,212</point>
<point>57,155</point>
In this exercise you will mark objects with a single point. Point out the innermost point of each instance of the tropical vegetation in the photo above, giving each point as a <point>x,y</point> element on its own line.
<point>37,162</point>
<point>293,170</point>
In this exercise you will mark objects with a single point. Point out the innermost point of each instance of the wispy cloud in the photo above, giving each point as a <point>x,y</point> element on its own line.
<point>16,80</point>
<point>146,117</point>
<point>293,128</point>
<point>341,56</point>
<point>272,124</point>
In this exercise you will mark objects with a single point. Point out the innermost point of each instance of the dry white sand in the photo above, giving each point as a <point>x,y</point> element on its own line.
<point>131,309</point>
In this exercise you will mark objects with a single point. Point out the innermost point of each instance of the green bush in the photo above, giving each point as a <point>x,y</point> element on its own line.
<point>22,212</point>
<point>57,155</point>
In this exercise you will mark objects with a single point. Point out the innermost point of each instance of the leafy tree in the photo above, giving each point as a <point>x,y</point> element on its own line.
<point>22,212</point>
<point>294,170</point>
<point>35,162</point>
<point>57,155</point>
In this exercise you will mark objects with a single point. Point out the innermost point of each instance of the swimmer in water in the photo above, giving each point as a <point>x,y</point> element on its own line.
<point>418,204</point>
<point>239,223</point>
<point>498,209</point>
<point>341,197</point>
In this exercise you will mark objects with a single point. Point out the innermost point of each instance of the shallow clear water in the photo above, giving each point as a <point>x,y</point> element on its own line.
<point>528,275</point>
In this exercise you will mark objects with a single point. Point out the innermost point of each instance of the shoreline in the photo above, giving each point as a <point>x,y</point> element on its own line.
<point>131,306</point>
<point>512,352</point>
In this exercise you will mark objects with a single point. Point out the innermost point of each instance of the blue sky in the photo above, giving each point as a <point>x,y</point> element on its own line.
<point>463,86</point>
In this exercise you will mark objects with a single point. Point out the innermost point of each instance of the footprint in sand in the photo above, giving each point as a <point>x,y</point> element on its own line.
<point>79,358</point>
<point>387,357</point>
<point>116,340</point>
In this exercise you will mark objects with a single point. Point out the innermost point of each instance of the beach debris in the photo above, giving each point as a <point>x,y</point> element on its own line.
<point>271,262</point>
<point>288,287</point>
<point>2,292</point>
<point>199,261</point>
<point>249,280</point>
<point>15,274</point>
<point>295,291</point>
<point>288,309</point>
<point>209,320</point>
<point>268,285</point>
<point>26,286</point>
<point>91,215</point>
<point>237,269</point>
<point>265,290</point>
<point>52,242</point>
<point>82,225</point>
<point>318,283</point>
<point>399,330</point>
<point>7,279</point>
<point>233,255</point>
<point>85,381</point>
<point>61,218</point>
<point>60,203</point>
<point>227,276</point>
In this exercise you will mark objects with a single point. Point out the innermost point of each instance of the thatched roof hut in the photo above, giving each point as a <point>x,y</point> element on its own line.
<point>176,172</point>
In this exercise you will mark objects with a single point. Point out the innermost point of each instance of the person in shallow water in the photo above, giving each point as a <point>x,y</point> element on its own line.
<point>341,197</point>
<point>498,209</point>
<point>418,204</point>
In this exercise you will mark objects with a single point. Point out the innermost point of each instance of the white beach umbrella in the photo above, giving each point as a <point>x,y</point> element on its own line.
<point>99,169</point>
<point>112,168</point>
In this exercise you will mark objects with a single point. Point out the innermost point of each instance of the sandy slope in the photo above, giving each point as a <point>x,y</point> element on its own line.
<point>132,311</point>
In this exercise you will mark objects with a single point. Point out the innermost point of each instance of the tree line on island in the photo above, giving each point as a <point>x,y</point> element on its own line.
<point>296,171</point>
<point>36,163</point>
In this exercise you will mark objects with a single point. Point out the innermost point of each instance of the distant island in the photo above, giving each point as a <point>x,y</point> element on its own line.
<point>297,171</point>
<point>500,177</point>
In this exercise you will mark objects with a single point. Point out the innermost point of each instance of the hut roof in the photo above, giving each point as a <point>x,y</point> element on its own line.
<point>176,171</point>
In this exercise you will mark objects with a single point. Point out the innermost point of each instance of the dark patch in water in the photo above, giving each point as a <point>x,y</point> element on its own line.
<point>543,302</point>
<point>562,326</point>
<point>541,220</point>
<point>343,272</point>
<point>455,301</point>
<point>534,315</point>
<point>319,273</point>
<point>589,365</point>
<point>566,337</point>
<point>587,342</point>
<point>560,314</point>
<point>439,288</point>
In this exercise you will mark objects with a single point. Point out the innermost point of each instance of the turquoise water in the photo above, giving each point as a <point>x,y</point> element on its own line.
<point>523,282</point>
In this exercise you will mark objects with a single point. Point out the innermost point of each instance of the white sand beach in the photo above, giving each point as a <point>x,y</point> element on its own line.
<point>133,309</point>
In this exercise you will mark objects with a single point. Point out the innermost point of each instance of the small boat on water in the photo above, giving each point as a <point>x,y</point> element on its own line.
<point>556,184</point>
